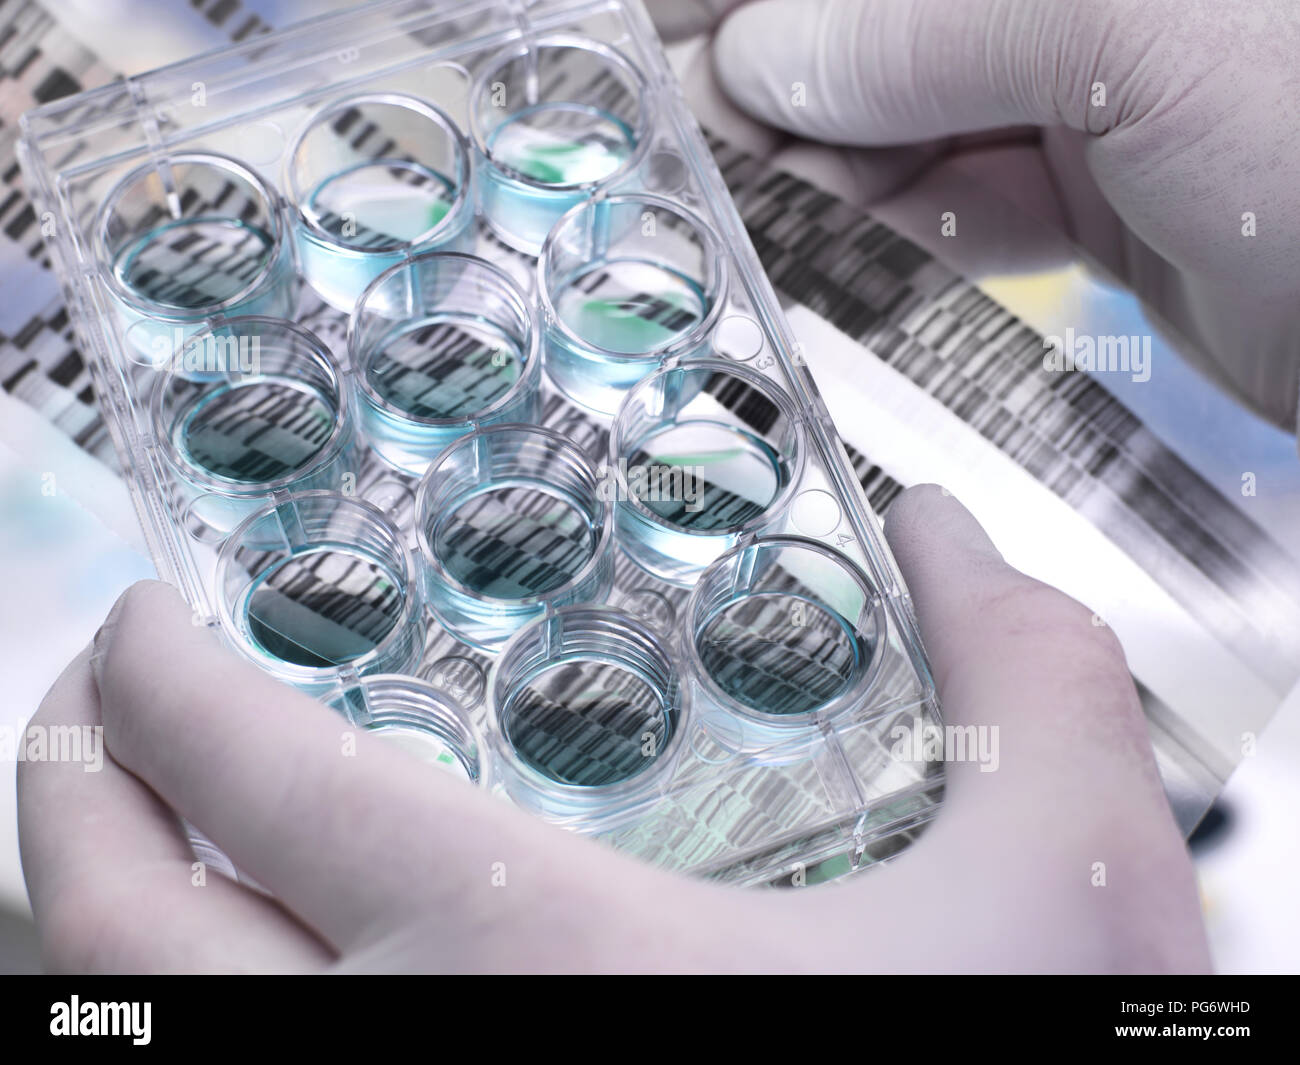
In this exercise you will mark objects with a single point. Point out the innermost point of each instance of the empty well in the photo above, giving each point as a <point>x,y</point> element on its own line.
<point>424,721</point>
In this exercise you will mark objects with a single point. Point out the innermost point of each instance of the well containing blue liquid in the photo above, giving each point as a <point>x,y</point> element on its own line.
<point>553,122</point>
<point>318,586</point>
<point>590,709</point>
<point>441,345</point>
<point>510,522</point>
<point>375,179</point>
<point>323,606</point>
<point>626,282</point>
<point>706,452</point>
<point>251,408</point>
<point>194,264</point>
<point>783,632</point>
<point>187,239</point>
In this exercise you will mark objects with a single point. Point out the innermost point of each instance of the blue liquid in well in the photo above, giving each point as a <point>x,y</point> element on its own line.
<point>514,539</point>
<point>256,430</point>
<point>631,306</point>
<point>553,144</point>
<point>627,307</point>
<point>560,143</point>
<point>445,366</point>
<point>728,476</point>
<point>194,263</point>
<point>703,481</point>
<point>380,202</point>
<point>366,207</point>
<point>324,606</point>
<point>781,654</point>
<point>587,722</point>
<point>507,550</point>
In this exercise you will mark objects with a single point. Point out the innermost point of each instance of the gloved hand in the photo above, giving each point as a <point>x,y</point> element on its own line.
<point>1159,135</point>
<point>378,861</point>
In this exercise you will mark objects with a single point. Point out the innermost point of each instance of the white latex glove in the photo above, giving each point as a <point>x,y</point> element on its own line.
<point>378,861</point>
<point>1201,125</point>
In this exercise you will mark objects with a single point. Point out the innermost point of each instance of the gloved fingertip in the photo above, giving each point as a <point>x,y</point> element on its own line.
<point>679,19</point>
<point>737,67</point>
<point>928,522</point>
<point>102,642</point>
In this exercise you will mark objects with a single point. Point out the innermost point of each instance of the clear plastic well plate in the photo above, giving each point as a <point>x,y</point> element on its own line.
<point>450,391</point>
